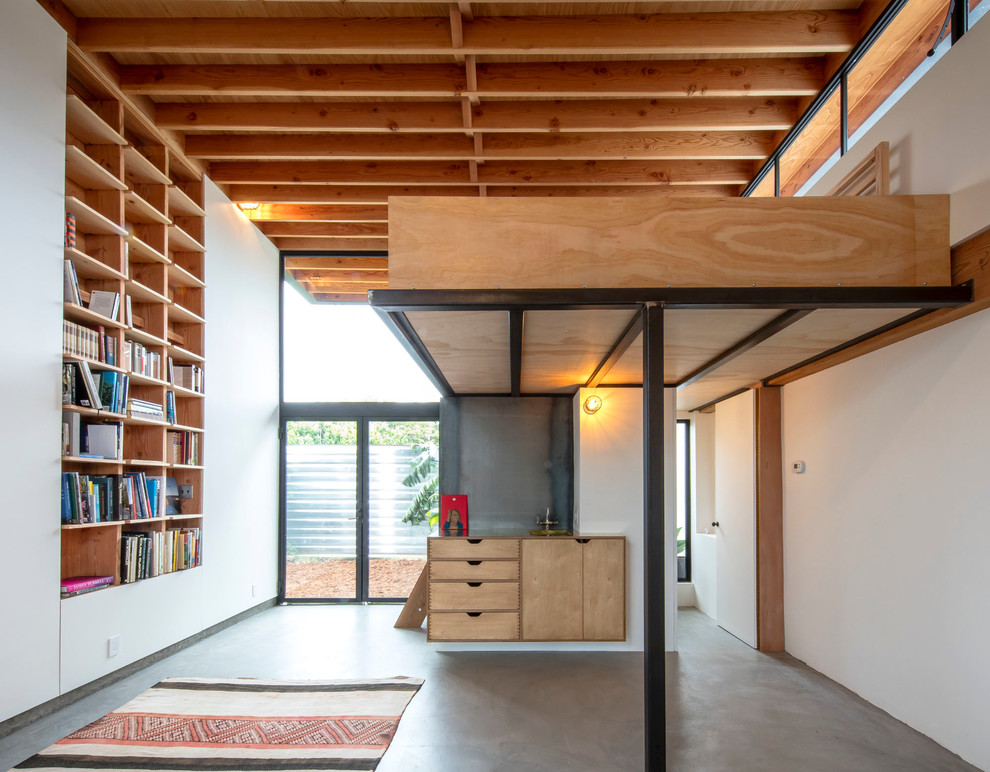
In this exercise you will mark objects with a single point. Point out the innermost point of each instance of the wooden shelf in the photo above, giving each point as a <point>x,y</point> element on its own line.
<point>145,380</point>
<point>84,124</point>
<point>180,241</point>
<point>92,411</point>
<point>139,169</point>
<point>82,169</point>
<point>144,294</point>
<point>84,315</point>
<point>181,428</point>
<point>133,419</point>
<point>102,524</point>
<point>183,517</point>
<point>94,461</point>
<point>139,252</point>
<point>180,354</point>
<point>143,337</point>
<point>180,277</point>
<point>179,314</point>
<point>181,392</point>
<point>90,267</point>
<point>179,203</point>
<point>88,220</point>
<point>185,466</point>
<point>94,364</point>
<point>144,462</point>
<point>136,209</point>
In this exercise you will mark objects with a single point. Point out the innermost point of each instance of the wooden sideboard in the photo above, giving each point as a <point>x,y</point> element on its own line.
<point>536,588</point>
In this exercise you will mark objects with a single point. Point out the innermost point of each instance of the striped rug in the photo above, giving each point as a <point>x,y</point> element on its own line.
<point>240,724</point>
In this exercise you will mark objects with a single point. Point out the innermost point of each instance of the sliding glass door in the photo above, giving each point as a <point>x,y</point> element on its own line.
<point>358,500</point>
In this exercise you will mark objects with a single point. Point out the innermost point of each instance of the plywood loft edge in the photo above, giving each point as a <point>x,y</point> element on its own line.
<point>483,243</point>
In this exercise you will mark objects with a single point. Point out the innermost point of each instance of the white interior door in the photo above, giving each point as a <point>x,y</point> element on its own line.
<point>735,513</point>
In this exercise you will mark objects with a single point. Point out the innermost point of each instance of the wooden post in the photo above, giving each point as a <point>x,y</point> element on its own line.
<point>414,612</point>
<point>769,521</point>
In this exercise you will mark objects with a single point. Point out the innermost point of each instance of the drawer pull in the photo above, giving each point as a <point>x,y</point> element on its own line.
<point>474,541</point>
<point>583,541</point>
<point>474,562</point>
<point>473,613</point>
<point>474,584</point>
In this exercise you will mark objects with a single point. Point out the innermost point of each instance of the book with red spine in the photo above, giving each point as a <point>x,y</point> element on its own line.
<point>453,514</point>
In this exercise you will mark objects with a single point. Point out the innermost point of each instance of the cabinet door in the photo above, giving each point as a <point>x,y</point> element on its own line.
<point>604,589</point>
<point>551,590</point>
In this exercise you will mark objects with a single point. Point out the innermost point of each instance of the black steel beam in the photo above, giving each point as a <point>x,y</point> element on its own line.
<point>769,380</point>
<point>859,51</point>
<point>517,321</point>
<point>960,19</point>
<point>655,579</point>
<point>763,334</point>
<point>379,411</point>
<point>411,342</point>
<point>701,298</point>
<point>632,331</point>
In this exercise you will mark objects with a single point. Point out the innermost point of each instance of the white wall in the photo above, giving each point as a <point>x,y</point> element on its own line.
<point>32,166</point>
<point>886,534</point>
<point>937,135</point>
<point>242,282</point>
<point>703,566</point>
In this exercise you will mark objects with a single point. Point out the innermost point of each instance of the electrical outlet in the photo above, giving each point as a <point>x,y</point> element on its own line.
<point>113,646</point>
<point>185,491</point>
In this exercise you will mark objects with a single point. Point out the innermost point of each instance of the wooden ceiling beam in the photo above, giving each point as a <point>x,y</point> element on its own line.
<point>318,213</point>
<point>648,79</point>
<point>379,194</point>
<point>330,244</point>
<point>327,194</point>
<point>339,297</point>
<point>593,115</point>
<point>699,35</point>
<point>312,229</point>
<point>450,147</point>
<point>335,173</point>
<point>321,264</point>
<point>317,278</point>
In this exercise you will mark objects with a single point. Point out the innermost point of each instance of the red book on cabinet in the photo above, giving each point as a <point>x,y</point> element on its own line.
<point>454,515</point>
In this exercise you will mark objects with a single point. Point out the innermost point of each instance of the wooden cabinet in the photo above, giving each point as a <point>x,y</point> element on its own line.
<point>127,197</point>
<point>529,588</point>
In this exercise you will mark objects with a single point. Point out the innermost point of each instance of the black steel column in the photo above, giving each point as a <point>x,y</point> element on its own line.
<point>363,510</point>
<point>776,178</point>
<point>844,114</point>
<point>653,539</point>
<point>960,19</point>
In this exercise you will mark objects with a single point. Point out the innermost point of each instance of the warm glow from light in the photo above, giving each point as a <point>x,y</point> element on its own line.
<point>248,205</point>
<point>592,404</point>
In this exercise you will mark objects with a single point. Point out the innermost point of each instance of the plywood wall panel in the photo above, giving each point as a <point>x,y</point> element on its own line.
<point>482,243</point>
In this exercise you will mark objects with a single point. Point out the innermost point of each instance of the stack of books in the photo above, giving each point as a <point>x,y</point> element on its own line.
<point>77,585</point>
<point>142,408</point>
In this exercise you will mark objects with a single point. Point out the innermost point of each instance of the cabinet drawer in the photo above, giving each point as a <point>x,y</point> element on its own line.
<point>481,596</point>
<point>474,570</point>
<point>486,626</point>
<point>473,549</point>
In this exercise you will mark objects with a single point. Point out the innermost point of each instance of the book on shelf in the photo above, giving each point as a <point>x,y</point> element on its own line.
<point>173,504</point>
<point>103,440</point>
<point>84,342</point>
<point>183,549</point>
<point>182,447</point>
<point>71,433</point>
<point>138,359</point>
<point>77,585</point>
<point>187,376</point>
<point>105,303</point>
<point>140,408</point>
<point>128,312</point>
<point>70,284</point>
<point>93,498</point>
<point>70,230</point>
<point>170,406</point>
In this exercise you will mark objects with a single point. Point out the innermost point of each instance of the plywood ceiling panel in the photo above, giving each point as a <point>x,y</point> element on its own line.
<point>812,335</point>
<point>561,349</point>
<point>470,347</point>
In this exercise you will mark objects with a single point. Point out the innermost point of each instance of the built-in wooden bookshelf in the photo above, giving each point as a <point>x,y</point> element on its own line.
<point>139,230</point>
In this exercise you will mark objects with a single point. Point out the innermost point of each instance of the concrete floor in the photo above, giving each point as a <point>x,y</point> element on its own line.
<point>729,707</point>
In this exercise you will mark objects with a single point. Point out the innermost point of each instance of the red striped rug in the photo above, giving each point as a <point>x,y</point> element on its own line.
<point>240,724</point>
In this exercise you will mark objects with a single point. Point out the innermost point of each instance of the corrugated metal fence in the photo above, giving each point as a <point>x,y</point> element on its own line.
<point>320,502</point>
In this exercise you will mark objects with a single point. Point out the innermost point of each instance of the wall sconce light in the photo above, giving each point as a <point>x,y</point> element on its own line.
<point>248,206</point>
<point>592,404</point>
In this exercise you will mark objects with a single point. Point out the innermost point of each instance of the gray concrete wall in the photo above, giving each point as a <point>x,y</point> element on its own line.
<point>512,457</point>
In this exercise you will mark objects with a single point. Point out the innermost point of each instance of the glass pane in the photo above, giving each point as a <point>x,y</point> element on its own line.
<point>343,352</point>
<point>320,509</point>
<point>403,496</point>
<point>681,454</point>
<point>812,148</point>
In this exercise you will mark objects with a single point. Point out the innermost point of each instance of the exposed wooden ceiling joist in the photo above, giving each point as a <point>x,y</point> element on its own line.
<point>647,79</point>
<point>329,264</point>
<point>330,244</point>
<point>701,34</point>
<point>618,115</point>
<point>319,229</point>
<point>492,173</point>
<point>318,213</point>
<point>750,145</point>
